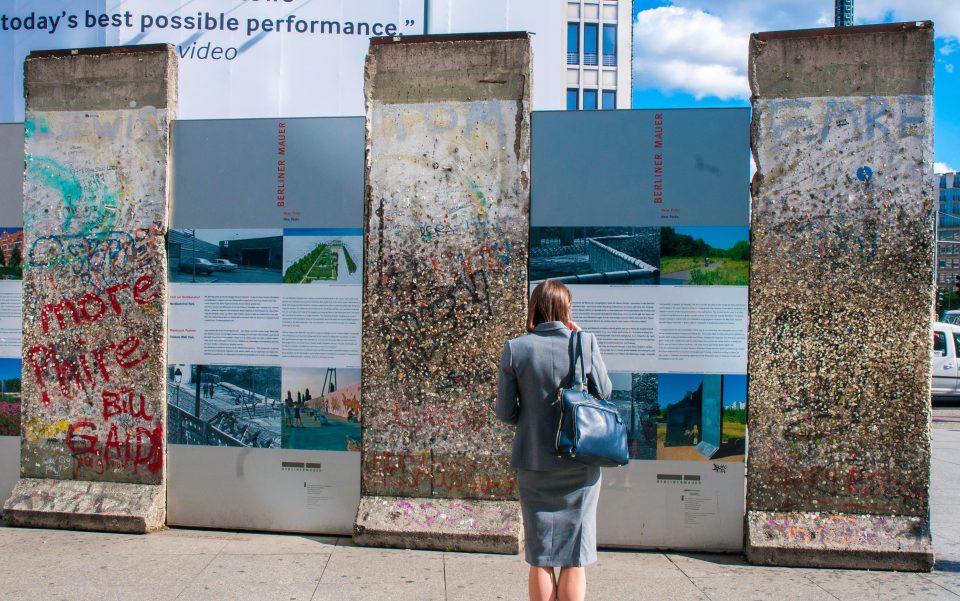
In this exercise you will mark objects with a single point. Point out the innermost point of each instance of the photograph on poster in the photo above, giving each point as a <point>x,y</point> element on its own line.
<point>705,256</point>
<point>635,395</point>
<point>321,409</point>
<point>322,256</point>
<point>11,253</point>
<point>595,255</point>
<point>702,417</point>
<point>10,397</point>
<point>241,256</point>
<point>223,405</point>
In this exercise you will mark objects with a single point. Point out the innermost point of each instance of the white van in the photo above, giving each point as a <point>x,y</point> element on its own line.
<point>946,367</point>
<point>952,316</point>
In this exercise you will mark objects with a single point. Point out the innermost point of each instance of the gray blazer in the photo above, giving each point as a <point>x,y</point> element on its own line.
<point>532,368</point>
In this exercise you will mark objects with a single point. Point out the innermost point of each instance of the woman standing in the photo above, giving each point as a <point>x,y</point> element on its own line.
<point>558,497</point>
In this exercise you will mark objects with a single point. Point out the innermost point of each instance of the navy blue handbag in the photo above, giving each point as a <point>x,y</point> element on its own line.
<point>590,430</point>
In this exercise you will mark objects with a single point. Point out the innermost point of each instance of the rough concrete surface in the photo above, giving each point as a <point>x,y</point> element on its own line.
<point>94,314</point>
<point>447,214</point>
<point>450,524</point>
<point>841,301</point>
<point>107,506</point>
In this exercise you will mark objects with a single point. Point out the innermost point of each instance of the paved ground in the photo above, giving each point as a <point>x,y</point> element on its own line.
<point>679,277</point>
<point>207,565</point>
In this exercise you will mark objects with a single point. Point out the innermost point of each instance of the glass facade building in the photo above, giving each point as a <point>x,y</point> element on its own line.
<point>598,54</point>
<point>948,231</point>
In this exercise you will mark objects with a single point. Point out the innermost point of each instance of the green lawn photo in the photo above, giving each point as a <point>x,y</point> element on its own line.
<point>705,256</point>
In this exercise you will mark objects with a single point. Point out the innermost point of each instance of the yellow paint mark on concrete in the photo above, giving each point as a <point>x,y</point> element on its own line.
<point>39,430</point>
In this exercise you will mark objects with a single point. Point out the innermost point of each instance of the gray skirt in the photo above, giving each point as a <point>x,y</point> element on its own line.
<point>560,515</point>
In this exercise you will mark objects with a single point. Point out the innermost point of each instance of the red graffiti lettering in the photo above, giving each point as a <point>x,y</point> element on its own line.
<point>135,449</point>
<point>46,361</point>
<point>119,403</point>
<point>143,284</point>
<point>91,307</point>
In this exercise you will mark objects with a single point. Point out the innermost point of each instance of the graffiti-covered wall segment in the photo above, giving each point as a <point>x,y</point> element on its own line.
<point>94,334</point>
<point>841,297</point>
<point>447,215</point>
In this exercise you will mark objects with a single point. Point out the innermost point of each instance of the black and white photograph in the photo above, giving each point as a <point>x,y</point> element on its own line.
<point>595,255</point>
<point>224,405</point>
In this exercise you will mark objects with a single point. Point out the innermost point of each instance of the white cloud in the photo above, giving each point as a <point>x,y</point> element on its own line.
<point>700,46</point>
<point>942,168</point>
<point>948,67</point>
<point>945,14</point>
<point>676,49</point>
<point>771,15</point>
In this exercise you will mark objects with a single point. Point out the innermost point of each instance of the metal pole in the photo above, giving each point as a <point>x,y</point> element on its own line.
<point>199,379</point>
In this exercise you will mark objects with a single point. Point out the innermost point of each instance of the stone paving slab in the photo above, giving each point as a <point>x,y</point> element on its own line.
<point>370,565</point>
<point>291,577</point>
<point>280,544</point>
<point>762,588</point>
<point>83,572</point>
<point>169,542</point>
<point>651,588</point>
<point>707,565</point>
<point>484,577</point>
<point>949,581</point>
<point>856,585</point>
<point>190,564</point>
<point>632,565</point>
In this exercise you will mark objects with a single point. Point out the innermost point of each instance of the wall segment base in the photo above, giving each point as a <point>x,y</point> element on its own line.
<point>439,524</point>
<point>839,541</point>
<point>77,505</point>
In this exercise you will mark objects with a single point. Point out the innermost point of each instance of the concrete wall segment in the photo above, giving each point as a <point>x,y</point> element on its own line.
<point>447,217</point>
<point>96,187</point>
<point>841,296</point>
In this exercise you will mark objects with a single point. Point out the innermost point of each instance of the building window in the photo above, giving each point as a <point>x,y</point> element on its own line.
<point>590,44</point>
<point>573,99</point>
<point>589,100</point>
<point>609,98</point>
<point>609,45</point>
<point>573,43</point>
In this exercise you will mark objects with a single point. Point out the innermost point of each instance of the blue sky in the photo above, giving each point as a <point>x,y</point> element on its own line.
<point>693,53</point>
<point>719,237</point>
<point>673,387</point>
<point>9,368</point>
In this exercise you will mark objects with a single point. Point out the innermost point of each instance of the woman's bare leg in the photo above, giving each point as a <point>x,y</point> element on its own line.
<point>542,584</point>
<point>572,584</point>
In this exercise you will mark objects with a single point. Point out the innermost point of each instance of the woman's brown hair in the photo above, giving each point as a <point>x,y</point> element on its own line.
<point>550,301</point>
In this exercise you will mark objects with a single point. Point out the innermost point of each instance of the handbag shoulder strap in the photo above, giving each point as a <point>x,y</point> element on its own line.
<point>576,350</point>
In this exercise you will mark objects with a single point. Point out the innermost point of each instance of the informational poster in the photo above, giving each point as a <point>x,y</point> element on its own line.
<point>650,233</point>
<point>264,324</point>
<point>11,294</point>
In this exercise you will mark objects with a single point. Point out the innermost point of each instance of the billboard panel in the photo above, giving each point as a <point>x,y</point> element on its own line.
<point>237,59</point>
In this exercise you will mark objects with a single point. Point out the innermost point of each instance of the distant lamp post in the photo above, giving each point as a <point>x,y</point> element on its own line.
<point>177,378</point>
<point>844,13</point>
